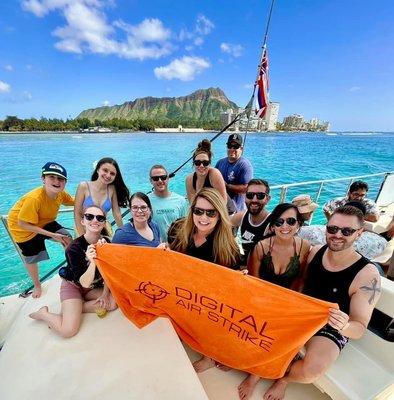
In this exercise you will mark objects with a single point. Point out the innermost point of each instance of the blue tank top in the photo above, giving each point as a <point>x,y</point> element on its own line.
<point>88,202</point>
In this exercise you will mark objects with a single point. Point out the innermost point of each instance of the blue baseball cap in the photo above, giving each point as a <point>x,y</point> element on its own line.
<point>52,168</point>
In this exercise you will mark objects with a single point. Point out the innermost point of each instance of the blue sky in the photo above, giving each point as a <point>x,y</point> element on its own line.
<point>330,59</point>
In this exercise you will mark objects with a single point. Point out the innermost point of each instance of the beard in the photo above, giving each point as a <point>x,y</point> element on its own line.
<point>256,209</point>
<point>339,245</point>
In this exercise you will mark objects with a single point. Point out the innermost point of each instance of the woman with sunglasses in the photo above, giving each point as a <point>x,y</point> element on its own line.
<point>106,189</point>
<point>279,259</point>
<point>140,230</point>
<point>82,289</point>
<point>206,176</point>
<point>206,234</point>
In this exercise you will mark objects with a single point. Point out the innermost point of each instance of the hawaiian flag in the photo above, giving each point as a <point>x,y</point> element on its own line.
<point>262,83</point>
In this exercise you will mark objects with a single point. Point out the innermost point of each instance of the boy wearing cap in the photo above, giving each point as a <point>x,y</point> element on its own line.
<point>32,219</point>
<point>236,170</point>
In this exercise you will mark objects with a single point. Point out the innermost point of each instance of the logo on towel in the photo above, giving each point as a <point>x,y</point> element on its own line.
<point>152,291</point>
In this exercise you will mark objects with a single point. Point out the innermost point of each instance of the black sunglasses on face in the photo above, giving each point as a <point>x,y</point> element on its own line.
<point>91,217</point>
<point>205,163</point>
<point>259,195</point>
<point>200,211</point>
<point>333,229</point>
<point>233,146</point>
<point>289,221</point>
<point>161,177</point>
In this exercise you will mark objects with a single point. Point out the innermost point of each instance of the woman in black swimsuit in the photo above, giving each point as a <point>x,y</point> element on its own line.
<point>279,259</point>
<point>206,176</point>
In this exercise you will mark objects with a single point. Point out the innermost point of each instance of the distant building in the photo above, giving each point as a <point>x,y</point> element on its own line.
<point>271,117</point>
<point>293,122</point>
<point>226,117</point>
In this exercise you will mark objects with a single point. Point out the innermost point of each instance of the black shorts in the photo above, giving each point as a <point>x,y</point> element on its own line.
<point>34,250</point>
<point>331,333</point>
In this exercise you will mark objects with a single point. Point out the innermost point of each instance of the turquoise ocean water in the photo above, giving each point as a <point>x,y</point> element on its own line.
<point>279,158</point>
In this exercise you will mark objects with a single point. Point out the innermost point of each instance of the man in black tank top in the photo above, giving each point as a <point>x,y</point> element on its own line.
<point>254,220</point>
<point>335,273</point>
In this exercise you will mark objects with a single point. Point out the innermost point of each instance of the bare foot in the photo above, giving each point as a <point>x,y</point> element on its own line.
<point>246,388</point>
<point>203,364</point>
<point>40,313</point>
<point>36,292</point>
<point>276,391</point>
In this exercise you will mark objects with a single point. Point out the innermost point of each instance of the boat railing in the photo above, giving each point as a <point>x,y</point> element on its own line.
<point>280,193</point>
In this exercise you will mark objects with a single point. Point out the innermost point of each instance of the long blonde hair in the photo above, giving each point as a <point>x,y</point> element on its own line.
<point>225,248</point>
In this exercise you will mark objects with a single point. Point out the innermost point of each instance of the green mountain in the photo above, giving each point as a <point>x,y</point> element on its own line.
<point>204,104</point>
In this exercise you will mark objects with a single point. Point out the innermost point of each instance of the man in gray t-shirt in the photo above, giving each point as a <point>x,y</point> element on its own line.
<point>167,206</point>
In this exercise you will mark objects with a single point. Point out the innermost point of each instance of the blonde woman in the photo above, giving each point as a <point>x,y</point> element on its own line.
<point>206,234</point>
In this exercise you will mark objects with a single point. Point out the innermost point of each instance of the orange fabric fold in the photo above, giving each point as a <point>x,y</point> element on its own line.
<point>238,320</point>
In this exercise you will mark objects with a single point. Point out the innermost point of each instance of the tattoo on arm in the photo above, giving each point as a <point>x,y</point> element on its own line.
<point>373,289</point>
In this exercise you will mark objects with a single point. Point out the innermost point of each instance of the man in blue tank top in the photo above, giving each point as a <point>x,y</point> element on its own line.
<point>167,206</point>
<point>335,273</point>
<point>237,171</point>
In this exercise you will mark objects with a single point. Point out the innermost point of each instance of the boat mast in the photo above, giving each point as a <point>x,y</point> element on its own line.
<point>263,50</point>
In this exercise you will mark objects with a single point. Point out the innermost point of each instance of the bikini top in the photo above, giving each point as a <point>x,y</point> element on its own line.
<point>267,269</point>
<point>207,182</point>
<point>88,202</point>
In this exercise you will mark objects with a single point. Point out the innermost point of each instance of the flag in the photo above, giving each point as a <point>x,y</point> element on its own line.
<point>262,83</point>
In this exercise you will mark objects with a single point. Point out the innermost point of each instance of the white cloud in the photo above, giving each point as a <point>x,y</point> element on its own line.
<point>184,69</point>
<point>203,25</point>
<point>355,89</point>
<point>234,50</point>
<point>9,68</point>
<point>29,67</point>
<point>106,103</point>
<point>4,87</point>
<point>87,30</point>
<point>248,86</point>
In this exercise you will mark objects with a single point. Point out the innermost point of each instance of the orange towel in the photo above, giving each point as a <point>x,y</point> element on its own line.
<point>238,320</point>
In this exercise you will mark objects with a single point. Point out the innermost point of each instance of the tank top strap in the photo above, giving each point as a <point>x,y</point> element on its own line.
<point>271,246</point>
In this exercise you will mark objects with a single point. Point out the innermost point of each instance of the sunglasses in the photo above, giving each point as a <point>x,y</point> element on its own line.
<point>91,217</point>
<point>200,211</point>
<point>333,229</point>
<point>289,221</point>
<point>233,146</point>
<point>259,195</point>
<point>205,163</point>
<point>143,209</point>
<point>161,177</point>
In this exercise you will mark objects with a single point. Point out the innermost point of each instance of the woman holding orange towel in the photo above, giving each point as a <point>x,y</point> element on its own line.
<point>206,234</point>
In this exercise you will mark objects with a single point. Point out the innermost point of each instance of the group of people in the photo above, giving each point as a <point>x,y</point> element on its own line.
<point>220,200</point>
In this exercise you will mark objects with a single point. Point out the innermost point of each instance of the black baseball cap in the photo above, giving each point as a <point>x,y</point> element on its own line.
<point>52,168</point>
<point>235,137</point>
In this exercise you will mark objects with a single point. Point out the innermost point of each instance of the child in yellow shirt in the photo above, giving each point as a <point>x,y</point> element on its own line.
<point>32,219</point>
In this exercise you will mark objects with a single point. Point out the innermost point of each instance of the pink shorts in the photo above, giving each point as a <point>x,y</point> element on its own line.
<point>69,290</point>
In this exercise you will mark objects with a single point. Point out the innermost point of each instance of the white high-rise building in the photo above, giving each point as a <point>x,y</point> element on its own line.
<point>271,117</point>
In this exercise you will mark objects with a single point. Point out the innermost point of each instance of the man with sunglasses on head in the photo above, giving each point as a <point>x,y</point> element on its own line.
<point>338,274</point>
<point>167,206</point>
<point>254,220</point>
<point>357,192</point>
<point>237,171</point>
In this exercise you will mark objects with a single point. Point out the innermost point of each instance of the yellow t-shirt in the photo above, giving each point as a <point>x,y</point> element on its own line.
<point>37,209</point>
